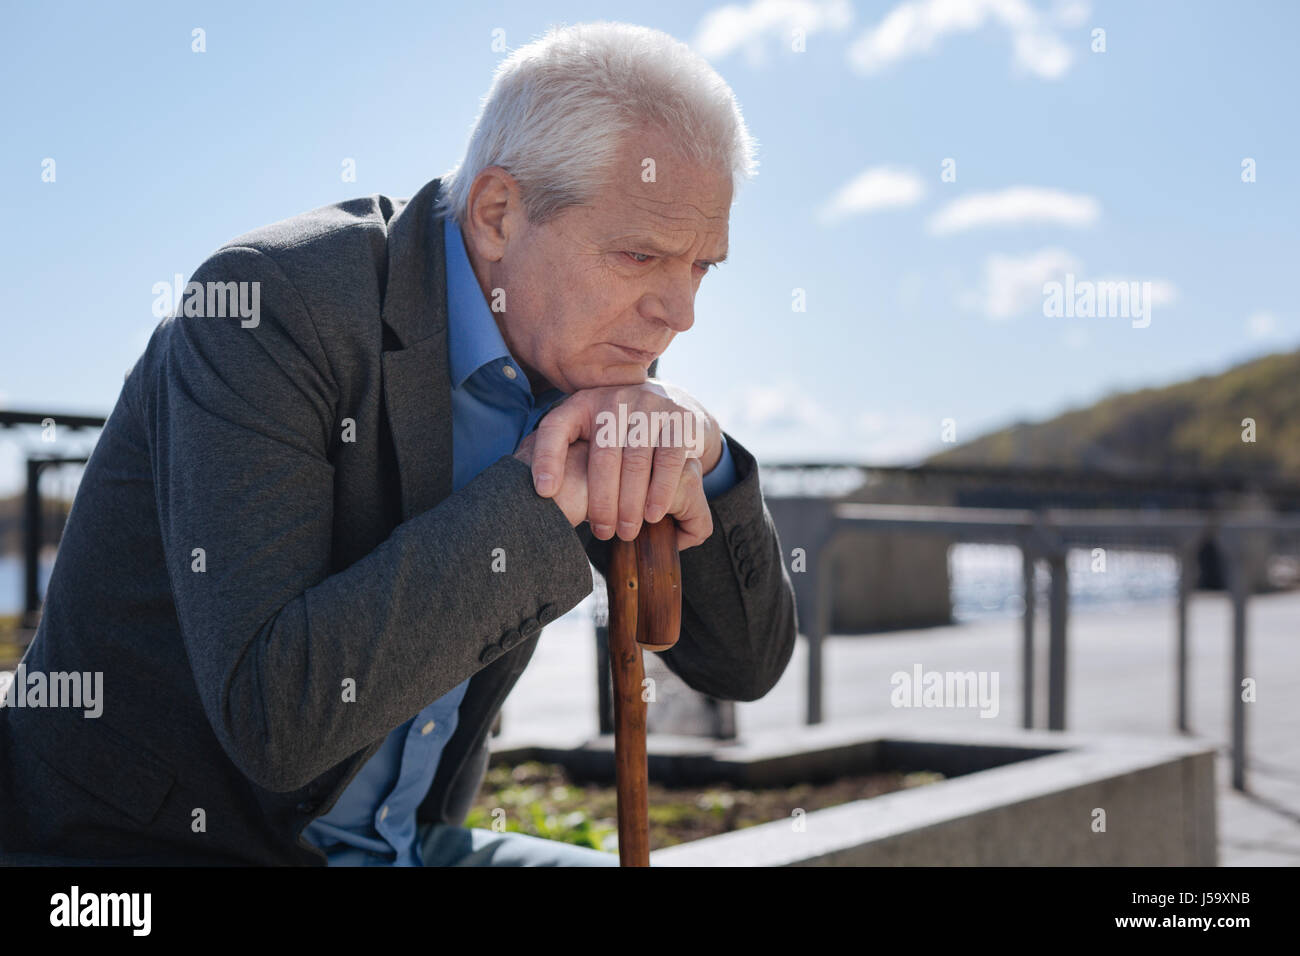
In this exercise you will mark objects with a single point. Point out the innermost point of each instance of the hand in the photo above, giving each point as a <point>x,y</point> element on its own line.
<point>688,505</point>
<point>640,438</point>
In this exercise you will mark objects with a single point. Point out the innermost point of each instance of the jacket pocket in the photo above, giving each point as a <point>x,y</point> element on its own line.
<point>98,759</point>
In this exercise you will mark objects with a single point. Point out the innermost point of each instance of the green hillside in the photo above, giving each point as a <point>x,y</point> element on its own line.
<point>1194,425</point>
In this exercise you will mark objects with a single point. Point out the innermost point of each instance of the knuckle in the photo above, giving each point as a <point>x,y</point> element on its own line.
<point>637,461</point>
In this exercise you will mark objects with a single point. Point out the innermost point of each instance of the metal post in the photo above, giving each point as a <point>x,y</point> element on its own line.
<point>817,634</point>
<point>1239,583</point>
<point>604,692</point>
<point>1027,647</point>
<point>32,543</point>
<point>1187,570</point>
<point>1058,608</point>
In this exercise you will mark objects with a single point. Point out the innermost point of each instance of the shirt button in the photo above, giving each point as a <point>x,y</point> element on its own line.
<point>383,813</point>
<point>509,371</point>
<point>427,727</point>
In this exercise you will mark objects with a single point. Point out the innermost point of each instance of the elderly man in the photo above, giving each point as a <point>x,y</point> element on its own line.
<point>315,546</point>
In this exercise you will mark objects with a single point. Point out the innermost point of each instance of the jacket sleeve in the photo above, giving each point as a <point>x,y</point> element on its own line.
<point>298,667</point>
<point>738,611</point>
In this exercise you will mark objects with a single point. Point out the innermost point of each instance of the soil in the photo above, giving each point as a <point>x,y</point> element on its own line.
<point>534,791</point>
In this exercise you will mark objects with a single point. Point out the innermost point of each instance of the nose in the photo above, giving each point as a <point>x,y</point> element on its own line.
<point>672,302</point>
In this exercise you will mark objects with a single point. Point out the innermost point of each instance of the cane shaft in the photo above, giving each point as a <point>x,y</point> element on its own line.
<point>631,772</point>
<point>644,612</point>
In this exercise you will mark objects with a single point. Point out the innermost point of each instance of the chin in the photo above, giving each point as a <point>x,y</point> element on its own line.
<point>606,375</point>
<point>628,374</point>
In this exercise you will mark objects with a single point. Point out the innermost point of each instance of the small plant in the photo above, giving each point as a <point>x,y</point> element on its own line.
<point>541,800</point>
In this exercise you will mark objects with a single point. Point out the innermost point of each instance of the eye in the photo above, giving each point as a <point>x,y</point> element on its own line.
<point>638,257</point>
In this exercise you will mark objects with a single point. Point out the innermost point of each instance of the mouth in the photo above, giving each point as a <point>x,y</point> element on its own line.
<point>638,355</point>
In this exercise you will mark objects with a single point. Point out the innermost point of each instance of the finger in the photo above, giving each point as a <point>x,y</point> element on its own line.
<point>575,483</point>
<point>604,470</point>
<point>691,508</point>
<point>634,481</point>
<point>667,472</point>
<point>557,430</point>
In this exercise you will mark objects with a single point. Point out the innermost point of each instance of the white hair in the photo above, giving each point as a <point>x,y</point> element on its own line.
<point>559,107</point>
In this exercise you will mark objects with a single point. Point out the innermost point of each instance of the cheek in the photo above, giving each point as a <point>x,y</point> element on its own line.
<point>593,303</point>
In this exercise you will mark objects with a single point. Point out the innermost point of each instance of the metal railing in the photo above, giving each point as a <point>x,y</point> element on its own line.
<point>1045,535</point>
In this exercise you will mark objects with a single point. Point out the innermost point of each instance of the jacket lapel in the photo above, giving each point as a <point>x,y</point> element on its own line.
<point>417,394</point>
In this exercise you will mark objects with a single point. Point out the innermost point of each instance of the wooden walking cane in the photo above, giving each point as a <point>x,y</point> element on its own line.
<point>645,611</point>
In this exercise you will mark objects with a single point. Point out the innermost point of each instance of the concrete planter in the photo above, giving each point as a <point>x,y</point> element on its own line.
<point>1014,798</point>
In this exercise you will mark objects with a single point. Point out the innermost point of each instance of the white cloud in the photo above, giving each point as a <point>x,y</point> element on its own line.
<point>782,422</point>
<point>1076,337</point>
<point>894,437</point>
<point>916,26</point>
<point>1072,13</point>
<point>1262,325</point>
<point>1163,292</point>
<point>727,29</point>
<point>1014,284</point>
<point>880,187</point>
<point>776,408</point>
<point>1017,205</point>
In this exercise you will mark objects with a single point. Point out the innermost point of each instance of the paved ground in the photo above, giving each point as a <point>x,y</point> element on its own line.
<point>1121,679</point>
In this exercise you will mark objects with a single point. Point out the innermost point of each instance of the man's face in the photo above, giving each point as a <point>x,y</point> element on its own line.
<point>616,275</point>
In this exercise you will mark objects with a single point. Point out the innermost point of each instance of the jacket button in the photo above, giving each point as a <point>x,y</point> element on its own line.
<point>510,638</point>
<point>737,535</point>
<point>490,653</point>
<point>547,614</point>
<point>530,627</point>
<point>751,578</point>
<point>741,551</point>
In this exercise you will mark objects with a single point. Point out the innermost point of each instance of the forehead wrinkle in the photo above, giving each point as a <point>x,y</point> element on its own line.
<point>658,226</point>
<point>652,202</point>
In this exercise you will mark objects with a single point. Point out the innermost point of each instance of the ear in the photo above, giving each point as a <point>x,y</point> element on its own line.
<point>495,207</point>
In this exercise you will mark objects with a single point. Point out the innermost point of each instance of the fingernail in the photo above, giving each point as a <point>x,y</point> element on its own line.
<point>627,528</point>
<point>545,483</point>
<point>602,531</point>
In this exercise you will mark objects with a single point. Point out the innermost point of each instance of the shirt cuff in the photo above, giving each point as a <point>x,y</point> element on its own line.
<point>723,475</point>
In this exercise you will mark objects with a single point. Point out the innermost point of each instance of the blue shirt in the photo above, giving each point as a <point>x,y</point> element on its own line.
<point>493,408</point>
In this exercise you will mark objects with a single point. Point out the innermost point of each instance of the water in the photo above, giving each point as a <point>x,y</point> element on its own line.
<point>11,581</point>
<point>986,579</point>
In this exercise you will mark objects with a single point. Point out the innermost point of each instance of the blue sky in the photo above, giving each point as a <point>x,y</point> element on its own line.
<point>923,296</point>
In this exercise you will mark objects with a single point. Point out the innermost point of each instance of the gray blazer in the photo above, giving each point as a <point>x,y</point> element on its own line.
<point>233,565</point>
